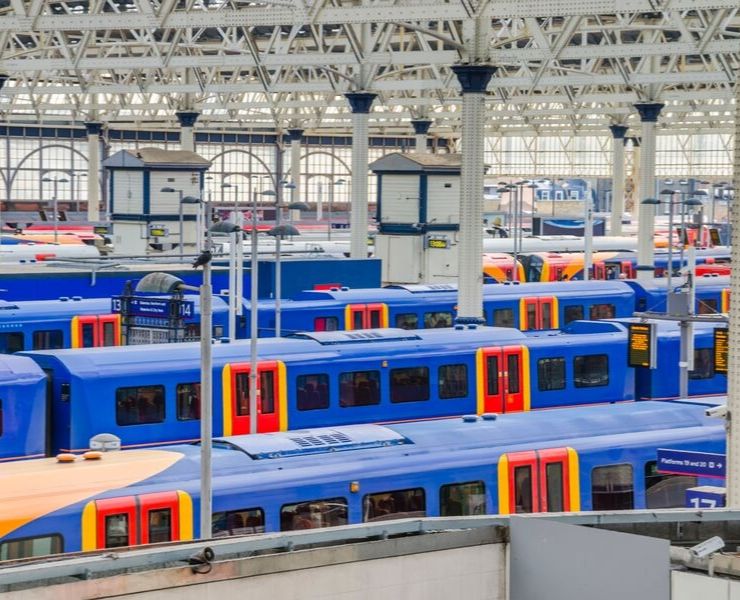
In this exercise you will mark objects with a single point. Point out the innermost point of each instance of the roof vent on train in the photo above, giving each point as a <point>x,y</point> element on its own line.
<point>313,441</point>
<point>424,289</point>
<point>328,338</point>
<point>76,298</point>
<point>5,305</point>
<point>63,298</point>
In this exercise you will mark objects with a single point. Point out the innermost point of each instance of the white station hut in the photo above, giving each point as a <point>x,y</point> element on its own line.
<point>145,218</point>
<point>418,215</point>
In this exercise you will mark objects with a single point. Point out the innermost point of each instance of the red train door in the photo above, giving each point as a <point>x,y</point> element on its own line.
<point>539,481</point>
<point>503,380</point>
<point>538,313</point>
<point>366,316</point>
<point>160,517</point>
<point>268,398</point>
<point>117,525</point>
<point>95,331</point>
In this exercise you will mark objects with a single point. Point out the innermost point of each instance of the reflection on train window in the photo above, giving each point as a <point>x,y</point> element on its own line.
<point>359,388</point>
<point>410,384</point>
<point>523,489</point>
<point>591,370</point>
<point>266,393</point>
<point>461,499</point>
<point>109,334</point>
<point>407,321</point>
<point>313,391</point>
<point>602,311</point>
<point>551,374</point>
<point>612,488</point>
<point>160,525</point>
<point>503,317</point>
<point>573,313</point>
<point>238,522</point>
<point>706,307</point>
<point>137,405</point>
<point>326,324</point>
<point>453,381</point>
<point>546,314</point>
<point>532,316</point>
<point>703,364</point>
<point>433,320</point>
<point>554,486</point>
<point>51,339</point>
<point>512,370</point>
<point>314,515</point>
<point>188,401</point>
<point>11,342</point>
<point>31,546</point>
<point>116,530</point>
<point>394,505</point>
<point>665,491</point>
<point>192,332</point>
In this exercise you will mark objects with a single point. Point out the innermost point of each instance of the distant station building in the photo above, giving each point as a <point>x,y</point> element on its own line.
<point>418,215</point>
<point>155,199</point>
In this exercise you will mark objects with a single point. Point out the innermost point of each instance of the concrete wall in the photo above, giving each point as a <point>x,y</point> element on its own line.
<point>697,586</point>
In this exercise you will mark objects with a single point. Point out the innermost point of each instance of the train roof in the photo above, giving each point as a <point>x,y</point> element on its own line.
<point>18,369</point>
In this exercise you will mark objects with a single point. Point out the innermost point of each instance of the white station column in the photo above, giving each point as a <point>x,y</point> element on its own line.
<point>421,129</point>
<point>94,130</point>
<point>649,112</point>
<point>473,81</point>
<point>187,121</point>
<point>618,133</point>
<point>295,135</point>
<point>733,378</point>
<point>360,103</point>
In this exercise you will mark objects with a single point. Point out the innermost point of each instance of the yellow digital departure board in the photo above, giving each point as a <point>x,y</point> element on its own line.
<point>721,350</point>
<point>642,340</point>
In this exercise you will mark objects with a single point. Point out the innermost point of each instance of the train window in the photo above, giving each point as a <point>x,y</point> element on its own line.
<point>532,315</point>
<point>192,332</point>
<point>359,388</point>
<point>238,522</point>
<point>32,546</point>
<point>188,401</point>
<point>51,339</point>
<point>218,331</point>
<point>703,364</point>
<point>706,307</point>
<point>591,370</point>
<point>88,335</point>
<point>313,391</point>
<point>314,515</point>
<point>433,320</point>
<point>160,525</point>
<point>612,488</point>
<point>11,342</point>
<point>503,317</point>
<point>394,505</point>
<point>573,313</point>
<point>358,319</point>
<point>554,481</point>
<point>138,405</point>
<point>493,376</point>
<point>523,489</point>
<point>546,307</point>
<point>453,381</point>
<point>325,324</point>
<point>410,384</point>
<point>512,370</point>
<point>116,530</point>
<point>407,321</point>
<point>109,333</point>
<point>551,374</point>
<point>665,491</point>
<point>267,392</point>
<point>460,499</point>
<point>602,311</point>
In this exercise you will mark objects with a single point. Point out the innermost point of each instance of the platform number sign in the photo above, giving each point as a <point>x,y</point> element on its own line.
<point>721,350</point>
<point>642,351</point>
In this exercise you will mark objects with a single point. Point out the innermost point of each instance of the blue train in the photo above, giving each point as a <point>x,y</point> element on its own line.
<point>68,323</point>
<point>23,410</point>
<point>151,394</point>
<point>587,458</point>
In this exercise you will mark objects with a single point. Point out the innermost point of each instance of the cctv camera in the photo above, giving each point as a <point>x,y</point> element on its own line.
<point>718,412</point>
<point>707,547</point>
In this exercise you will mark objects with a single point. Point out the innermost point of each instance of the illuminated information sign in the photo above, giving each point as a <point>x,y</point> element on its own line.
<point>437,243</point>
<point>158,231</point>
<point>642,349</point>
<point>721,350</point>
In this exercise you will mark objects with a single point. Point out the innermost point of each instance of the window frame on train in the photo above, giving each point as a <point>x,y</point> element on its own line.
<point>391,516</point>
<point>580,379</point>
<point>602,310</point>
<point>183,393</point>
<point>503,317</point>
<point>246,514</point>
<point>400,394</point>
<point>9,342</point>
<point>651,479</point>
<point>338,501</point>
<point>125,391</point>
<point>404,320</point>
<point>445,493</point>
<point>545,381</point>
<point>568,310</point>
<point>442,383</point>
<point>325,399</point>
<point>375,397</point>
<point>630,493</point>
<point>48,339</point>
<point>703,364</point>
<point>52,537</point>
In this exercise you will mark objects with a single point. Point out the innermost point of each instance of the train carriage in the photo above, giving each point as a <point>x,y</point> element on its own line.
<point>151,394</point>
<point>588,458</point>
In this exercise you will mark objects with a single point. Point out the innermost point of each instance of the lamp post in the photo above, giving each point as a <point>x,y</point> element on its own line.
<point>280,231</point>
<point>56,181</point>
<point>331,203</point>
